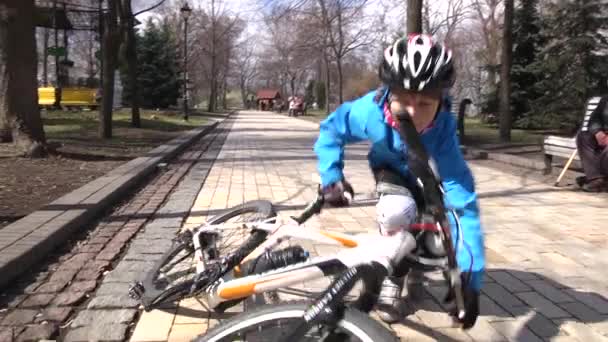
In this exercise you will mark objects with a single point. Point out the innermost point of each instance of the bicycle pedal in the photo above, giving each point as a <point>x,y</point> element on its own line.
<point>136,291</point>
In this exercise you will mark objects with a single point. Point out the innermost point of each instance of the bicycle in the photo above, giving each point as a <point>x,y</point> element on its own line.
<point>292,266</point>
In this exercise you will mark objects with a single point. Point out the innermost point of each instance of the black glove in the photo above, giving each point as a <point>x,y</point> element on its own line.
<point>338,194</point>
<point>471,303</point>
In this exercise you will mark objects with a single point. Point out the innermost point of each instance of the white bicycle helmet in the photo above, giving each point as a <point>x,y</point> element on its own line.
<point>417,63</point>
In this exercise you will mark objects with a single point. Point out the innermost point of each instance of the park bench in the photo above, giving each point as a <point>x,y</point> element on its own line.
<point>565,147</point>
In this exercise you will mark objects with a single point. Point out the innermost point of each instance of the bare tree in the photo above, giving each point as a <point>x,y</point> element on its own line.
<point>344,31</point>
<point>505,74</point>
<point>19,111</point>
<point>488,15</point>
<point>110,43</point>
<point>246,67</point>
<point>214,31</point>
<point>445,22</point>
<point>128,51</point>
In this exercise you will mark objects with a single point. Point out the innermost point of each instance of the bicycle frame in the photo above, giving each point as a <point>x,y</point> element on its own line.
<point>361,249</point>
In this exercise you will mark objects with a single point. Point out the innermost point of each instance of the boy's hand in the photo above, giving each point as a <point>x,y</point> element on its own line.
<point>339,194</point>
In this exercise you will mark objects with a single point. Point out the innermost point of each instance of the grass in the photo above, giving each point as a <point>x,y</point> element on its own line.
<point>58,123</point>
<point>477,132</point>
<point>77,131</point>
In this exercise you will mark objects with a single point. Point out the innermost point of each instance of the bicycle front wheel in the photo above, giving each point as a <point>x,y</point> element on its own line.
<point>276,322</point>
<point>172,276</point>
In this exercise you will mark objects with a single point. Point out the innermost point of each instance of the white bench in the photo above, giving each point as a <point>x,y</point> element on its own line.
<point>563,146</point>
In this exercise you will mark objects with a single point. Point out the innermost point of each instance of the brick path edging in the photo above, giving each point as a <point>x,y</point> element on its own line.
<point>26,241</point>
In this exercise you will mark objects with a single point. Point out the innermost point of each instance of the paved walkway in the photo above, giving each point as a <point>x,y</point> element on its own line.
<point>545,246</point>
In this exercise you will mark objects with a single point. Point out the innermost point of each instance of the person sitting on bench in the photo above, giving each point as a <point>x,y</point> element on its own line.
<point>593,149</point>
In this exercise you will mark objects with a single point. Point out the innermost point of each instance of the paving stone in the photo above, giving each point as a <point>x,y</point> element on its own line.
<point>55,314</point>
<point>112,302</point>
<point>107,288</point>
<point>19,317</point>
<point>488,307</point>
<point>108,254</point>
<point>542,305</point>
<point>91,248</point>
<point>141,267</point>
<point>504,298</point>
<point>38,300</point>
<point>53,286</point>
<point>39,332</point>
<point>542,326</point>
<point>9,334</point>
<point>582,312</point>
<point>88,274</point>
<point>484,331</point>
<point>107,333</point>
<point>431,314</point>
<point>78,260</point>
<point>69,298</point>
<point>580,331</point>
<point>62,275</point>
<point>593,300</point>
<point>103,317</point>
<point>123,277</point>
<point>82,286</point>
<point>153,326</point>
<point>508,281</point>
<point>98,240</point>
<point>186,332</point>
<point>549,291</point>
<point>515,331</point>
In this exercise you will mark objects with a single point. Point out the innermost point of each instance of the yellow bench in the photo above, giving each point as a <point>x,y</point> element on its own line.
<point>70,97</point>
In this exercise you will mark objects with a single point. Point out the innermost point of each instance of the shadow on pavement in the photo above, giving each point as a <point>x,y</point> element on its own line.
<point>510,294</point>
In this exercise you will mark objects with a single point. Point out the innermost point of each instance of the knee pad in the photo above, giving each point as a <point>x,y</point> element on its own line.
<point>395,213</point>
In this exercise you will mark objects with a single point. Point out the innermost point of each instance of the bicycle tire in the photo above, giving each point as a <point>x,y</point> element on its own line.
<point>179,287</point>
<point>357,323</point>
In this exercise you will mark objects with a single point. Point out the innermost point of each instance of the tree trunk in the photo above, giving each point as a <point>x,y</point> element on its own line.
<point>5,127</point>
<point>18,71</point>
<point>225,90</point>
<point>327,82</point>
<point>414,16</point>
<point>213,91</point>
<point>45,57</point>
<point>242,86</point>
<point>109,40</point>
<point>131,54</point>
<point>340,79</point>
<point>505,71</point>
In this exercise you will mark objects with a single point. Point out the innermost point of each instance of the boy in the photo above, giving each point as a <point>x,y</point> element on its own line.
<point>415,72</point>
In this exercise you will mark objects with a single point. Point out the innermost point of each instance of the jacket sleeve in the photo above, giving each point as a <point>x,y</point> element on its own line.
<point>459,185</point>
<point>345,125</point>
<point>596,123</point>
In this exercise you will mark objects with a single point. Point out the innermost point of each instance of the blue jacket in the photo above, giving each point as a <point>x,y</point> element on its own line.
<point>363,119</point>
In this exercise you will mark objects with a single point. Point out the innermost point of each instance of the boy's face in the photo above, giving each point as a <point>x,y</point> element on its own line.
<point>422,106</point>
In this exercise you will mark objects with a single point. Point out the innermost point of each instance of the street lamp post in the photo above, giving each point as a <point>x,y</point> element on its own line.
<point>185,10</point>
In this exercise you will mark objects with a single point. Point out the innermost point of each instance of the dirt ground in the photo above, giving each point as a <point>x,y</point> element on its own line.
<point>28,184</point>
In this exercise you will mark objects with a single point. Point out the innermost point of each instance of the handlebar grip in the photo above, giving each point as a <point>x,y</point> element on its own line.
<point>312,209</point>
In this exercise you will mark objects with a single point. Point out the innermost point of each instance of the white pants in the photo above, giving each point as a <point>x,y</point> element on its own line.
<point>395,213</point>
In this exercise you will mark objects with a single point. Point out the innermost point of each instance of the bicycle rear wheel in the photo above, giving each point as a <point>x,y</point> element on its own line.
<point>172,276</point>
<point>276,322</point>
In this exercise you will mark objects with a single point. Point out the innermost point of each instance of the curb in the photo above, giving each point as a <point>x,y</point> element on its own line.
<point>30,239</point>
<point>504,158</point>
